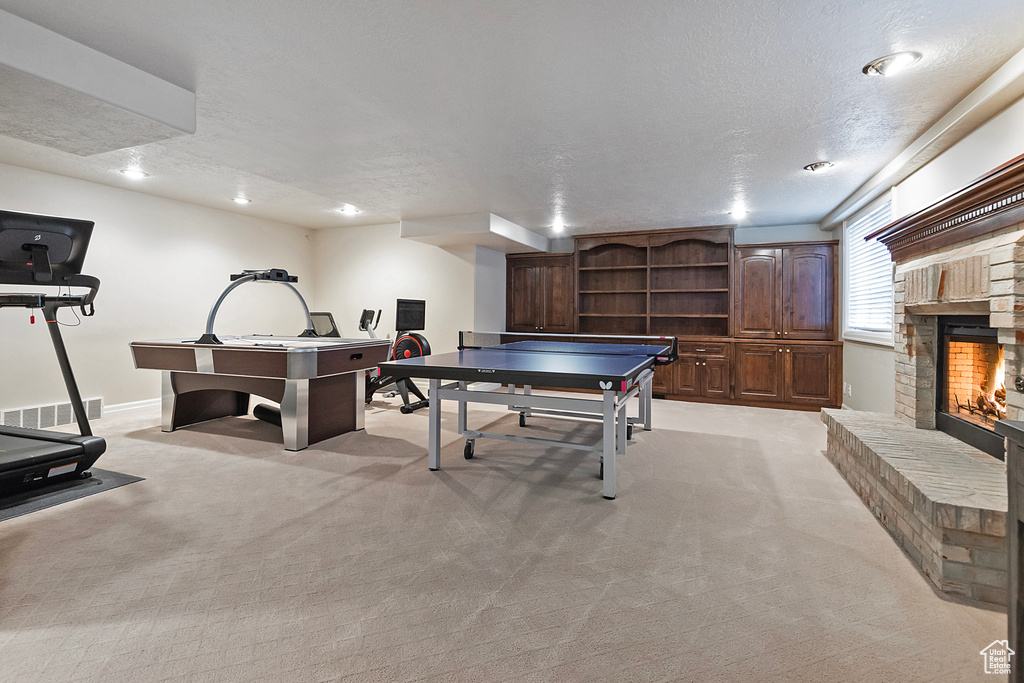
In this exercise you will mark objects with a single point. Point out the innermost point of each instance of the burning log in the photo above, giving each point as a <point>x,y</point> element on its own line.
<point>990,407</point>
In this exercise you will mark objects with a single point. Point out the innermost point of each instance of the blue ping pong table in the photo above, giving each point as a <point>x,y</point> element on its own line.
<point>618,369</point>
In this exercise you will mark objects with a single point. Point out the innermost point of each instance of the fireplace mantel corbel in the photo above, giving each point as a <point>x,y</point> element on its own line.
<point>992,202</point>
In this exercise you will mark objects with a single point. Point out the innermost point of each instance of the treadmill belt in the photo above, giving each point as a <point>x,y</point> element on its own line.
<point>15,450</point>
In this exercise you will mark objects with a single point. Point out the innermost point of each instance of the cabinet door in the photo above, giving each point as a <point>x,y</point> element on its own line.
<point>523,306</point>
<point>716,377</point>
<point>664,379</point>
<point>687,375</point>
<point>758,301</point>
<point>807,292</point>
<point>557,295</point>
<point>758,371</point>
<point>811,375</point>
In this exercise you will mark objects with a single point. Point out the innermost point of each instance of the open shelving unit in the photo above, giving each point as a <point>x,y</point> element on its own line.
<point>673,283</point>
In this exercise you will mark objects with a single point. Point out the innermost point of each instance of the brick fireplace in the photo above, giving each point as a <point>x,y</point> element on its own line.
<point>958,304</point>
<point>977,279</point>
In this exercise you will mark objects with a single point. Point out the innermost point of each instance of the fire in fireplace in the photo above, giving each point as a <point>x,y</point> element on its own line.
<point>972,396</point>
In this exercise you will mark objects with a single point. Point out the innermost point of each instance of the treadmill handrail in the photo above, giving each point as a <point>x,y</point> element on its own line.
<point>25,278</point>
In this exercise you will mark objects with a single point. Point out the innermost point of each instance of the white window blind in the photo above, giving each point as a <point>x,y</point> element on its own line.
<point>869,276</point>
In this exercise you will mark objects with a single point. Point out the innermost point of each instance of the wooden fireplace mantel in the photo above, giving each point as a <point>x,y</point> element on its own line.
<point>992,202</point>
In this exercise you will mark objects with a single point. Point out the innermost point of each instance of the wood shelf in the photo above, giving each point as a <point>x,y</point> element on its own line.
<point>614,291</point>
<point>668,276</point>
<point>613,267</point>
<point>687,291</point>
<point>689,315</point>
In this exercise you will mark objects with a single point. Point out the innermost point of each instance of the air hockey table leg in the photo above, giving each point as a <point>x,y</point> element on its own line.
<point>434,429</point>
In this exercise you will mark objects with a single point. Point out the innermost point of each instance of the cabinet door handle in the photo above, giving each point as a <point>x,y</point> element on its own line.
<point>787,350</point>
<point>699,350</point>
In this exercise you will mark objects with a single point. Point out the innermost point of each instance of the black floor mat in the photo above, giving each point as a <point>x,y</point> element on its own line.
<point>31,500</point>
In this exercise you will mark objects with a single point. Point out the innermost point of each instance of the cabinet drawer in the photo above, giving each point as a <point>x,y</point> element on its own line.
<point>712,349</point>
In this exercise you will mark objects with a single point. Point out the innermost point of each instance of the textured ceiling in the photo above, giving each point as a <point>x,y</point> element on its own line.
<point>617,114</point>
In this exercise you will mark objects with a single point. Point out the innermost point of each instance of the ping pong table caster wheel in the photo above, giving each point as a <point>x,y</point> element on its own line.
<point>468,450</point>
<point>629,432</point>
<point>522,419</point>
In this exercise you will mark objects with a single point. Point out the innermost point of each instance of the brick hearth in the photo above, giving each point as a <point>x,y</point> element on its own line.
<point>943,501</point>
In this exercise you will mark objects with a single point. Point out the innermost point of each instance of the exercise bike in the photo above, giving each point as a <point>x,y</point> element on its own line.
<point>406,345</point>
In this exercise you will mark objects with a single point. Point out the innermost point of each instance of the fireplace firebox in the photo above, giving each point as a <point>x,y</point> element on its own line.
<point>970,394</point>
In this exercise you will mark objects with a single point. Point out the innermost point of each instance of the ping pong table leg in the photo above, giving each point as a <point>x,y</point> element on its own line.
<point>462,409</point>
<point>647,391</point>
<point>608,444</point>
<point>621,428</point>
<point>434,429</point>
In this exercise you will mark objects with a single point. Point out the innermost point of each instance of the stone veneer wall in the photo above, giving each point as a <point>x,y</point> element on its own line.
<point>977,277</point>
<point>943,501</point>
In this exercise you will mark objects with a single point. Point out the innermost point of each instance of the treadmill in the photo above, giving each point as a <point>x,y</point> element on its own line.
<point>45,251</point>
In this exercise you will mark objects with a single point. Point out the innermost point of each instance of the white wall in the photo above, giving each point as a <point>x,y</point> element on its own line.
<point>489,291</point>
<point>1000,139</point>
<point>372,266</point>
<point>162,264</point>
<point>747,236</point>
<point>869,369</point>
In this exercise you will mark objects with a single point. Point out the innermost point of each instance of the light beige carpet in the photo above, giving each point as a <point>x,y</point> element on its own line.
<point>734,552</point>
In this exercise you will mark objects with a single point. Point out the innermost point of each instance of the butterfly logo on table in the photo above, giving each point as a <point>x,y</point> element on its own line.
<point>605,385</point>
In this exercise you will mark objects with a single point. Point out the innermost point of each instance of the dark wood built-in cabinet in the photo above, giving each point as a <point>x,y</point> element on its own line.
<point>786,292</point>
<point>756,324</point>
<point>703,370</point>
<point>539,293</point>
<point>797,374</point>
<point>665,283</point>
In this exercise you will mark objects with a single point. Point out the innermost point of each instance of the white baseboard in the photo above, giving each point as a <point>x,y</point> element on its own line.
<point>132,405</point>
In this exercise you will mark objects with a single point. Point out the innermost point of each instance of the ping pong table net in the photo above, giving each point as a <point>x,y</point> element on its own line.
<point>664,349</point>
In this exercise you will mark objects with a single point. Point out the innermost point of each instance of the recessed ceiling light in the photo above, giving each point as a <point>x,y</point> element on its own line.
<point>818,166</point>
<point>134,173</point>
<point>241,200</point>
<point>890,65</point>
<point>558,225</point>
<point>348,210</point>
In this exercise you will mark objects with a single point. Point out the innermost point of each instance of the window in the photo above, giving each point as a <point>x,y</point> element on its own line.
<point>867,278</point>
